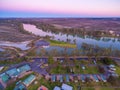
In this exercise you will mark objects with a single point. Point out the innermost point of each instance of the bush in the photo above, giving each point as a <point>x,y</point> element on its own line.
<point>101,69</point>
<point>113,80</point>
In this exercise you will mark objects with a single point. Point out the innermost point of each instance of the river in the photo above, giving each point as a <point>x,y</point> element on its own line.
<point>105,42</point>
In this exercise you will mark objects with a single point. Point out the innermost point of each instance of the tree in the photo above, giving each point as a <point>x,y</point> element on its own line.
<point>101,69</point>
<point>113,80</point>
<point>107,61</point>
<point>50,60</point>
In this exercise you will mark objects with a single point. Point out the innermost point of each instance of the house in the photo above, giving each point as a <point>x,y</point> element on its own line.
<point>4,78</point>
<point>82,78</point>
<point>24,68</point>
<point>47,77</point>
<point>58,77</point>
<point>63,87</point>
<point>66,87</point>
<point>53,78</point>
<point>29,80</point>
<point>95,78</point>
<point>112,67</point>
<point>20,86</point>
<point>78,77</point>
<point>12,72</point>
<point>57,88</point>
<point>61,78</point>
<point>71,78</point>
<point>103,78</point>
<point>42,88</point>
<point>67,78</point>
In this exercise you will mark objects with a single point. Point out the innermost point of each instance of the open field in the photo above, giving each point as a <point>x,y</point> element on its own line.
<point>12,32</point>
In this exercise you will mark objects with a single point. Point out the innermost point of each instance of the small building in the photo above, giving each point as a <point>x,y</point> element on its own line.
<point>95,78</point>
<point>66,87</point>
<point>12,72</point>
<point>4,77</point>
<point>111,66</point>
<point>42,88</point>
<point>24,68</point>
<point>29,80</point>
<point>78,77</point>
<point>20,87</point>
<point>82,78</point>
<point>61,78</point>
<point>47,77</point>
<point>71,78</point>
<point>57,88</point>
<point>103,78</point>
<point>67,78</point>
<point>53,78</point>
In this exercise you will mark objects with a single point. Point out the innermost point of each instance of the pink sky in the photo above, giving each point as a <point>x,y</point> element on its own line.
<point>88,7</point>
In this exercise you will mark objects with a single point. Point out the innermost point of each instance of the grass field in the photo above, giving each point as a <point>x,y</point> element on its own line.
<point>77,70</point>
<point>100,88</point>
<point>118,70</point>
<point>61,44</point>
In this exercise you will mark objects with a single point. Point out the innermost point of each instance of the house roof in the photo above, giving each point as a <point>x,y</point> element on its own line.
<point>12,72</point>
<point>24,68</point>
<point>4,77</point>
<point>20,87</point>
<point>42,88</point>
<point>67,87</point>
<point>57,88</point>
<point>28,80</point>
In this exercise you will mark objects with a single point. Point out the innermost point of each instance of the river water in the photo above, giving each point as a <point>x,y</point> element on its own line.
<point>105,42</point>
<point>21,45</point>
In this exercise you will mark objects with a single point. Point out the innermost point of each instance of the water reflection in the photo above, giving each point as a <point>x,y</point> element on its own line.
<point>78,39</point>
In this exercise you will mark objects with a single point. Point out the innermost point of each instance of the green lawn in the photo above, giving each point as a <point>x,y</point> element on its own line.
<point>118,70</point>
<point>88,70</point>
<point>61,44</point>
<point>59,70</point>
<point>100,88</point>
<point>76,69</point>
